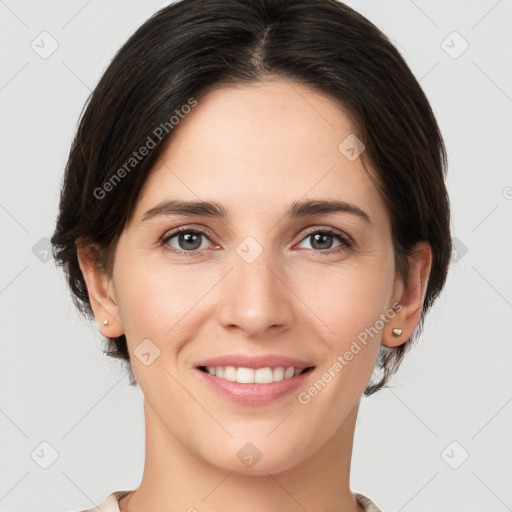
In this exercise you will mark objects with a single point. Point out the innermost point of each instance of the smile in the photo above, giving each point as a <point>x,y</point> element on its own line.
<point>254,386</point>
<point>254,376</point>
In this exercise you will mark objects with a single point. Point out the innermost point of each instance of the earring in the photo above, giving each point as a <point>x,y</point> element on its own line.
<point>396,332</point>
<point>105,322</point>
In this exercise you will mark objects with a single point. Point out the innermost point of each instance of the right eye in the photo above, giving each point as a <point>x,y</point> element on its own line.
<point>188,241</point>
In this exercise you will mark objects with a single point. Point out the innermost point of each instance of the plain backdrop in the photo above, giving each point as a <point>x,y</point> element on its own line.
<point>71,429</point>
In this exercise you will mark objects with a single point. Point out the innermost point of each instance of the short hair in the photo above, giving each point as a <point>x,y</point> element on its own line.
<point>192,47</point>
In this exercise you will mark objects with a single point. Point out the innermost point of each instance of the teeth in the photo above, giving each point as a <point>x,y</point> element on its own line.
<point>250,376</point>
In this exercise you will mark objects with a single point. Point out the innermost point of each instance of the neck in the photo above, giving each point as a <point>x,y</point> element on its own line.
<point>175,479</point>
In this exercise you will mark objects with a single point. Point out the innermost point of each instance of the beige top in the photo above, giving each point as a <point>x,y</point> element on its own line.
<point>111,503</point>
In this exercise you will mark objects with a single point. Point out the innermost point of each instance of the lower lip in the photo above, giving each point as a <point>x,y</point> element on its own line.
<point>255,394</point>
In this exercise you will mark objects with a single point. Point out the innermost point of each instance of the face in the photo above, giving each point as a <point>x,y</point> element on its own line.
<point>258,281</point>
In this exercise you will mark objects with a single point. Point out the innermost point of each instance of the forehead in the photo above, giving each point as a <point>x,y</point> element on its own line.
<point>258,147</point>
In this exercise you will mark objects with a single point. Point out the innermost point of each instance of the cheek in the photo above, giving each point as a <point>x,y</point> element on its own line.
<point>348,301</point>
<point>348,297</point>
<point>348,334</point>
<point>159,302</point>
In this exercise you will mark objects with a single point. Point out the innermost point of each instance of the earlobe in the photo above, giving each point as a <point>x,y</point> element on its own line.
<point>411,296</point>
<point>98,283</point>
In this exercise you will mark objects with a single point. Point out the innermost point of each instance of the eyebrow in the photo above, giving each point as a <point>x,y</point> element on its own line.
<point>215,210</point>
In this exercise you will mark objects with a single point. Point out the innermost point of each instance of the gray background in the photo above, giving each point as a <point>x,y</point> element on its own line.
<point>451,398</point>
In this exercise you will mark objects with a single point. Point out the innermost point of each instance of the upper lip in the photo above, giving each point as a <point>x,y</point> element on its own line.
<point>254,362</point>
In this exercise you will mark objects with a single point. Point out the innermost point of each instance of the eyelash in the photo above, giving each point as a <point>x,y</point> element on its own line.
<point>345,242</point>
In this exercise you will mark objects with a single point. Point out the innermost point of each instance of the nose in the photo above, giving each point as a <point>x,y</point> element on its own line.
<point>256,297</point>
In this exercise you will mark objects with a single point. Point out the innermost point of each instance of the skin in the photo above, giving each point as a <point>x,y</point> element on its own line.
<point>255,149</point>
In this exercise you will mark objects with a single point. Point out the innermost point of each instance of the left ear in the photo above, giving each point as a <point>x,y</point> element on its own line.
<point>410,295</point>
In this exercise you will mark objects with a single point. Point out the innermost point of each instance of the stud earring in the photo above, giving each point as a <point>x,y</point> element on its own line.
<point>105,322</point>
<point>396,332</point>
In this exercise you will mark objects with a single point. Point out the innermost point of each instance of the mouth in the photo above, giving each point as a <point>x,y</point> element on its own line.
<point>244,375</point>
<point>254,386</point>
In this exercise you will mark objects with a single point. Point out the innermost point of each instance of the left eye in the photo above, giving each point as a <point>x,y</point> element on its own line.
<point>323,238</point>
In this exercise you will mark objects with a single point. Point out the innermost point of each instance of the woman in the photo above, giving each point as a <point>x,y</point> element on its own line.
<point>254,212</point>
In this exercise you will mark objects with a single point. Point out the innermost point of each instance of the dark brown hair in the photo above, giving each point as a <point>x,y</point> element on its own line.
<point>193,46</point>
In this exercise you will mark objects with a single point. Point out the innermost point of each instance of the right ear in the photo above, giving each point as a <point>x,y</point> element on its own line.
<point>99,284</point>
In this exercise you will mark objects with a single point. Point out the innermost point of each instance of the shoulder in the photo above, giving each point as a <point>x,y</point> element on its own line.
<point>367,504</point>
<point>110,503</point>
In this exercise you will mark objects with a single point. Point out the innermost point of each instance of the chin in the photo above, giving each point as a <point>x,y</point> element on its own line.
<point>253,459</point>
